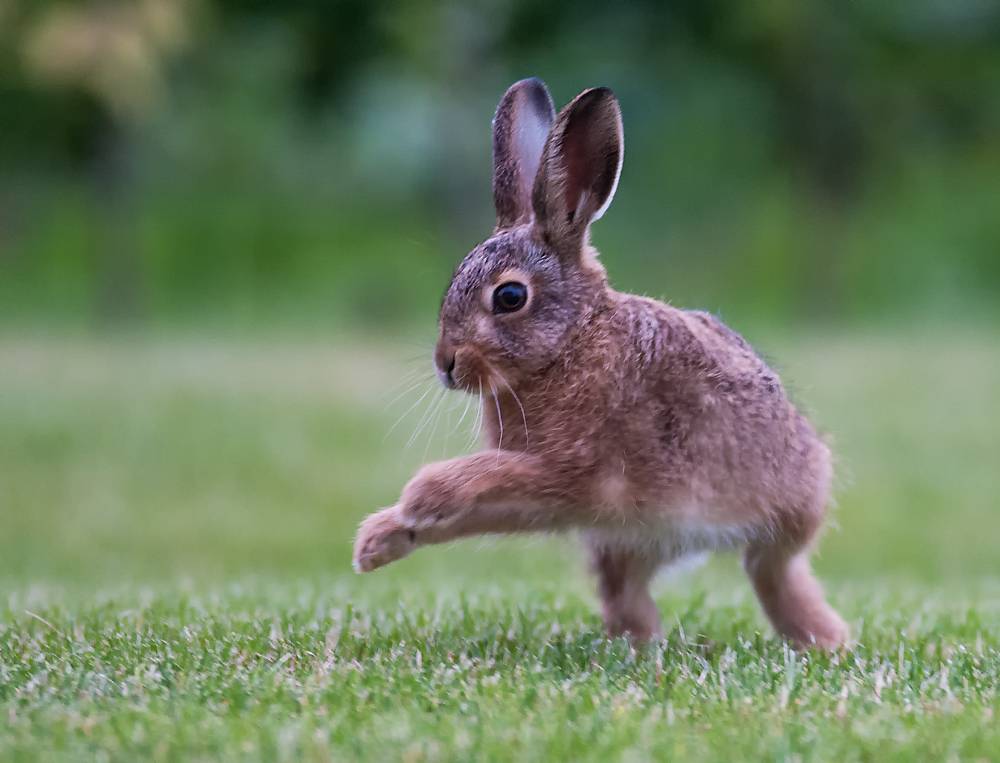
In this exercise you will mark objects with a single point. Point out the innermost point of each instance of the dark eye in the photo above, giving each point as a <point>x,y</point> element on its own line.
<point>509,297</point>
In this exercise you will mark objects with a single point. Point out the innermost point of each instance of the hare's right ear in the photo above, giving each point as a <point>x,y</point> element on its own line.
<point>580,166</point>
<point>520,128</point>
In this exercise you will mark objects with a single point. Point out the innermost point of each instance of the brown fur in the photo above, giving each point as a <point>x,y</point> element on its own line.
<point>656,431</point>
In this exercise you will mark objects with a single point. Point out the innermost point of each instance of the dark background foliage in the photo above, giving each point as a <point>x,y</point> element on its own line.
<point>326,163</point>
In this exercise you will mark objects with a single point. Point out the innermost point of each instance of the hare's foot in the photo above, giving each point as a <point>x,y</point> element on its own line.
<point>381,539</point>
<point>793,600</point>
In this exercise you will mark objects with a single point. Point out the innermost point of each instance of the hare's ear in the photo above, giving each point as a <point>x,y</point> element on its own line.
<point>520,128</point>
<point>580,166</point>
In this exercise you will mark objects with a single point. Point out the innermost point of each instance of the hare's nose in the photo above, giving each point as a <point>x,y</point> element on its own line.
<point>444,359</point>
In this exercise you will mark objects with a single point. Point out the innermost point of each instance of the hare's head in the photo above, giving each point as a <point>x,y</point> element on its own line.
<point>516,297</point>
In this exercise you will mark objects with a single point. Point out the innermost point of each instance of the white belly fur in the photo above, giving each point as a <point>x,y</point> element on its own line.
<point>672,543</point>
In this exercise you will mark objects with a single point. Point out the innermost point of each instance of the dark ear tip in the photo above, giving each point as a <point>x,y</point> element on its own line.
<point>536,93</point>
<point>533,82</point>
<point>596,99</point>
<point>597,94</point>
<point>529,82</point>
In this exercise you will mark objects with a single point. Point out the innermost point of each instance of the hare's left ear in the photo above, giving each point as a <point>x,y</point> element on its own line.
<point>580,166</point>
<point>520,128</point>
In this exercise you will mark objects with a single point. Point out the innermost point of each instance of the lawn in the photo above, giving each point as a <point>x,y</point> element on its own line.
<point>175,525</point>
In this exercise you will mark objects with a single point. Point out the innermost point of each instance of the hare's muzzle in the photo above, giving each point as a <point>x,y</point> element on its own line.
<point>444,362</point>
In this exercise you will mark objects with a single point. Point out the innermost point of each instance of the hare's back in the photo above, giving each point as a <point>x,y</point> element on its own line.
<point>726,354</point>
<point>683,351</point>
<point>710,375</point>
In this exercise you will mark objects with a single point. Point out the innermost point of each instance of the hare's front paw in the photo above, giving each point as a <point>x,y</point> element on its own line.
<point>430,498</point>
<point>382,539</point>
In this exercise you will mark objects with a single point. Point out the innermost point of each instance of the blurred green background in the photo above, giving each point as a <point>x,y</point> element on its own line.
<point>226,227</point>
<point>327,163</point>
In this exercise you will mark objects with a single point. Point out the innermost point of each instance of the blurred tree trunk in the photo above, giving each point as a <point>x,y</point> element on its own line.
<point>118,287</point>
<point>827,147</point>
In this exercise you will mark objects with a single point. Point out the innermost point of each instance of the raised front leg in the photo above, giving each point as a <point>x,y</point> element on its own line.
<point>485,493</point>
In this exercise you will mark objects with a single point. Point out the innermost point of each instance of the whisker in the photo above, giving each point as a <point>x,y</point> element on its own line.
<point>500,420</point>
<point>412,366</point>
<point>447,428</point>
<point>523,417</point>
<point>431,407</point>
<point>408,376</point>
<point>406,412</point>
<point>451,428</point>
<point>468,402</point>
<point>479,416</point>
<point>437,420</point>
<point>407,391</point>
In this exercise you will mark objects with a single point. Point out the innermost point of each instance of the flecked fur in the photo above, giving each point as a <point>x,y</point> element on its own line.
<point>657,432</point>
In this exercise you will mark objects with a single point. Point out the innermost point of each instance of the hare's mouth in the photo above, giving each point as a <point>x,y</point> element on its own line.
<point>465,369</point>
<point>462,377</point>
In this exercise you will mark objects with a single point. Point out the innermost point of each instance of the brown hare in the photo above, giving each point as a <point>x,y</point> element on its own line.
<point>656,432</point>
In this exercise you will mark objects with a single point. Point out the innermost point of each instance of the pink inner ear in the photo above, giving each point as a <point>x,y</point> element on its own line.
<point>530,133</point>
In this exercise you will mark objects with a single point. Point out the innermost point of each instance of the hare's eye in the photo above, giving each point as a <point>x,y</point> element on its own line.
<point>509,297</point>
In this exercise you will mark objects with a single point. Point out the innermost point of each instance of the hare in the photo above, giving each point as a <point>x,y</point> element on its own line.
<point>656,432</point>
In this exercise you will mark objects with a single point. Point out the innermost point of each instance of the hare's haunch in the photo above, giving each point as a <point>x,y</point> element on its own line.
<point>656,432</point>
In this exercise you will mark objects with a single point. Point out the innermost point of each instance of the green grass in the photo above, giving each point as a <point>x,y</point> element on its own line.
<point>246,674</point>
<point>175,527</point>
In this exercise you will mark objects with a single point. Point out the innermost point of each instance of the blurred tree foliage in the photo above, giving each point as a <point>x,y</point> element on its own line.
<point>327,161</point>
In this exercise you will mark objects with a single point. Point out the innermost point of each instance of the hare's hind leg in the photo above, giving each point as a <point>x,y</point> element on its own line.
<point>792,598</point>
<point>623,577</point>
<point>777,560</point>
